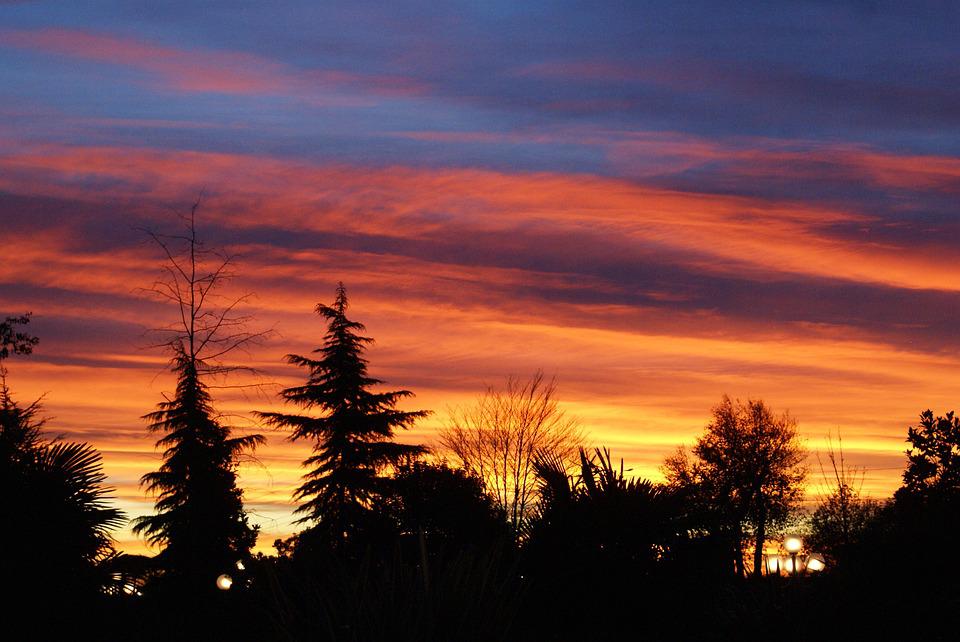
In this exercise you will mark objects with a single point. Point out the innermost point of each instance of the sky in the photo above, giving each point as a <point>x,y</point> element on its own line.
<point>658,203</point>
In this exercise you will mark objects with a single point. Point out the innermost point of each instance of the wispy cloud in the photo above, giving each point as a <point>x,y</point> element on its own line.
<point>199,70</point>
<point>755,237</point>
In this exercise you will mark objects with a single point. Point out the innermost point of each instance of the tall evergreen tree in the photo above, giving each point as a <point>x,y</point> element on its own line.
<point>199,519</point>
<point>352,432</point>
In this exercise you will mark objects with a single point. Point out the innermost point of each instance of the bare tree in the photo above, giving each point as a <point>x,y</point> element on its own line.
<point>199,516</point>
<point>207,327</point>
<point>843,513</point>
<point>500,436</point>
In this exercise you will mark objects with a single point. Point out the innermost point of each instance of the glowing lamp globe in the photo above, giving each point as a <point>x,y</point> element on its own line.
<point>224,582</point>
<point>793,544</point>
<point>816,564</point>
<point>773,565</point>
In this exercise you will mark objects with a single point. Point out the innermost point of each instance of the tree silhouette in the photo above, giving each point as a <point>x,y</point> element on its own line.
<point>843,516</point>
<point>934,456</point>
<point>602,514</point>
<point>54,491</point>
<point>352,433</point>
<point>13,342</point>
<point>607,539</point>
<point>446,505</point>
<point>199,519</point>
<point>499,438</point>
<point>747,469</point>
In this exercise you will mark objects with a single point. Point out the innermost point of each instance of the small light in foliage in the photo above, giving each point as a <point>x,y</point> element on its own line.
<point>240,566</point>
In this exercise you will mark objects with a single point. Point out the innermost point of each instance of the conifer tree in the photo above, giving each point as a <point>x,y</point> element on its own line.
<point>352,432</point>
<point>199,518</point>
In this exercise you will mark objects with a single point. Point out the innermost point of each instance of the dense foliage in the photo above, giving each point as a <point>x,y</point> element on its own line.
<point>747,470</point>
<point>934,456</point>
<point>56,487</point>
<point>58,515</point>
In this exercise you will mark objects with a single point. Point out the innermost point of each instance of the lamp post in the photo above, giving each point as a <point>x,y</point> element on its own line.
<point>793,544</point>
<point>811,562</point>
<point>795,563</point>
<point>773,565</point>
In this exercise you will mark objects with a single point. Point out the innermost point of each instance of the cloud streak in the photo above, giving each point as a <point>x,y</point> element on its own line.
<point>207,71</point>
<point>761,238</point>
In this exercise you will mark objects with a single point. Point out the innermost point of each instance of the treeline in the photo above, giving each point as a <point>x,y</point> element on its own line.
<point>510,529</point>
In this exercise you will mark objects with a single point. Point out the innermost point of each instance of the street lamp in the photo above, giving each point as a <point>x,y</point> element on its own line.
<point>224,582</point>
<point>815,563</point>
<point>793,544</point>
<point>773,565</point>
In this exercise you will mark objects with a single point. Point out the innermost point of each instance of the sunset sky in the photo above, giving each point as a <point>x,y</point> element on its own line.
<point>659,203</point>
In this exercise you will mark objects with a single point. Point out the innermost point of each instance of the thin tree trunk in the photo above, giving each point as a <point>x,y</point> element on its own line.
<point>737,550</point>
<point>758,546</point>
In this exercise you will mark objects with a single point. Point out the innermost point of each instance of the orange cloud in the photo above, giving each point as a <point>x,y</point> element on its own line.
<point>452,311</point>
<point>720,234</point>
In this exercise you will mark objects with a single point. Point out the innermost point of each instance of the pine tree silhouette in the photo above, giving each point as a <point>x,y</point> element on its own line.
<point>199,519</point>
<point>353,432</point>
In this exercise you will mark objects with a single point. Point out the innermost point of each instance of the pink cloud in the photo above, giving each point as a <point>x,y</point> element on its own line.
<point>183,70</point>
<point>211,71</point>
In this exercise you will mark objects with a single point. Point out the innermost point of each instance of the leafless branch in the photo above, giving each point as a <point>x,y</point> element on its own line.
<point>499,438</point>
<point>208,328</point>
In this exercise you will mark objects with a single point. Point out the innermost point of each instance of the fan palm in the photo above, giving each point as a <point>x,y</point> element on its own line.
<point>55,494</point>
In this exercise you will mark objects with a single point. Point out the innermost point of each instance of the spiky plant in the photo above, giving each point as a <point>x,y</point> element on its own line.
<point>57,503</point>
